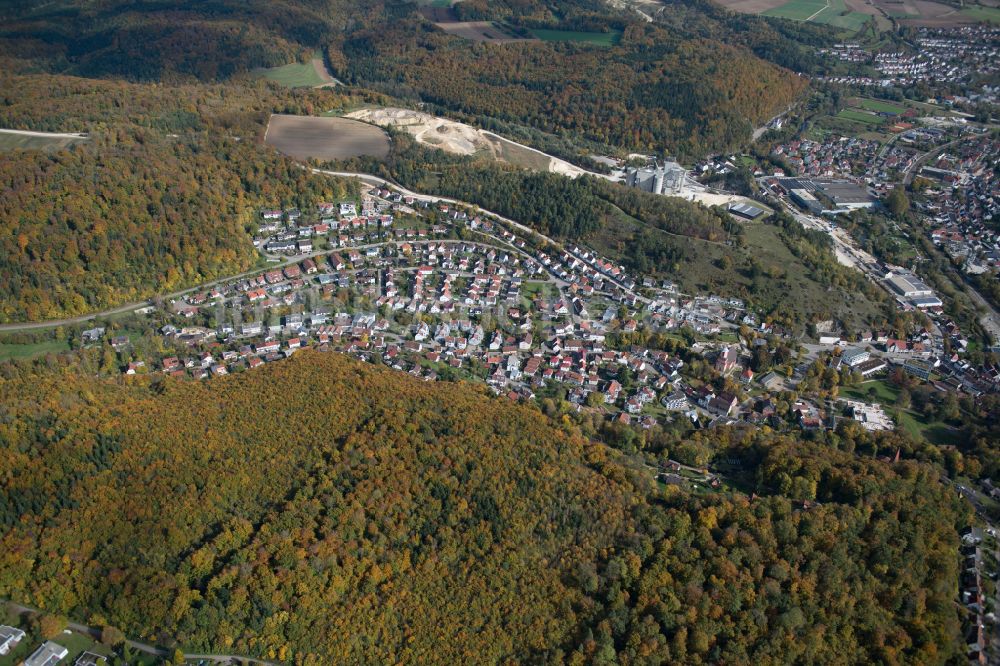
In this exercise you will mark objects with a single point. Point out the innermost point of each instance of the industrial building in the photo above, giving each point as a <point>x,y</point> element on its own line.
<point>926,302</point>
<point>665,179</point>
<point>746,211</point>
<point>907,285</point>
<point>845,195</point>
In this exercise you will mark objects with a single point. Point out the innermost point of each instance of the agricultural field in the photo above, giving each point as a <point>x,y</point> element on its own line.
<point>929,13</point>
<point>312,137</point>
<point>798,10</point>
<point>479,31</point>
<point>835,13</point>
<point>595,38</point>
<point>979,13</point>
<point>12,141</point>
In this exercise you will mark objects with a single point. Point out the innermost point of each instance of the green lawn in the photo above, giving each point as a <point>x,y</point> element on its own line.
<point>294,75</point>
<point>988,14</point>
<point>881,106</point>
<point>935,432</point>
<point>859,116</point>
<point>31,350</point>
<point>595,38</point>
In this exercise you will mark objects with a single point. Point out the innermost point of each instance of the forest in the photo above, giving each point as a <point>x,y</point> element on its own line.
<point>322,510</point>
<point>683,87</point>
<point>130,214</point>
<point>652,92</point>
<point>159,198</point>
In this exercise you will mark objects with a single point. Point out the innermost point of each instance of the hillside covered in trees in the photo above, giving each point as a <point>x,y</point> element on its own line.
<point>652,92</point>
<point>685,87</point>
<point>159,198</point>
<point>320,510</point>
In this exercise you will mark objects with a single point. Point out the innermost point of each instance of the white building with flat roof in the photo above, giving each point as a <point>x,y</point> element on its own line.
<point>47,654</point>
<point>9,638</point>
<point>908,285</point>
<point>854,357</point>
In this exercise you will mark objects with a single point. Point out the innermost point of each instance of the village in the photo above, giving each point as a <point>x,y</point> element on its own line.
<point>448,294</point>
<point>943,56</point>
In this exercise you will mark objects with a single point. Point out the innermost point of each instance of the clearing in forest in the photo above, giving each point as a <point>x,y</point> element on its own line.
<point>305,137</point>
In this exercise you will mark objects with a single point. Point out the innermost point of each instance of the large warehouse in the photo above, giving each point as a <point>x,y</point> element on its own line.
<point>908,285</point>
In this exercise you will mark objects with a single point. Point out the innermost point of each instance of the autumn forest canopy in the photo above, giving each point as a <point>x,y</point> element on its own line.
<point>700,84</point>
<point>321,510</point>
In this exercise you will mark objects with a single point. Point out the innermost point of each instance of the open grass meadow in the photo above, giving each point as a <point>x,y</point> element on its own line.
<point>827,12</point>
<point>294,75</point>
<point>595,38</point>
<point>24,351</point>
<point>980,13</point>
<point>884,393</point>
<point>784,285</point>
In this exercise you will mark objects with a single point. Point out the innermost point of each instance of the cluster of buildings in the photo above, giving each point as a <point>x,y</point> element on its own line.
<point>472,299</point>
<point>962,203</point>
<point>823,195</point>
<point>973,593</point>
<point>845,157</point>
<point>48,653</point>
<point>942,56</point>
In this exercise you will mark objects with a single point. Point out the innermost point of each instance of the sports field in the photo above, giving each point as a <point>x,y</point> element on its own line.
<point>859,116</point>
<point>880,106</point>
<point>596,38</point>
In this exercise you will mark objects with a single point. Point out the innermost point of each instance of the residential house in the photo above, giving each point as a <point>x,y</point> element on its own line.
<point>47,654</point>
<point>9,638</point>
